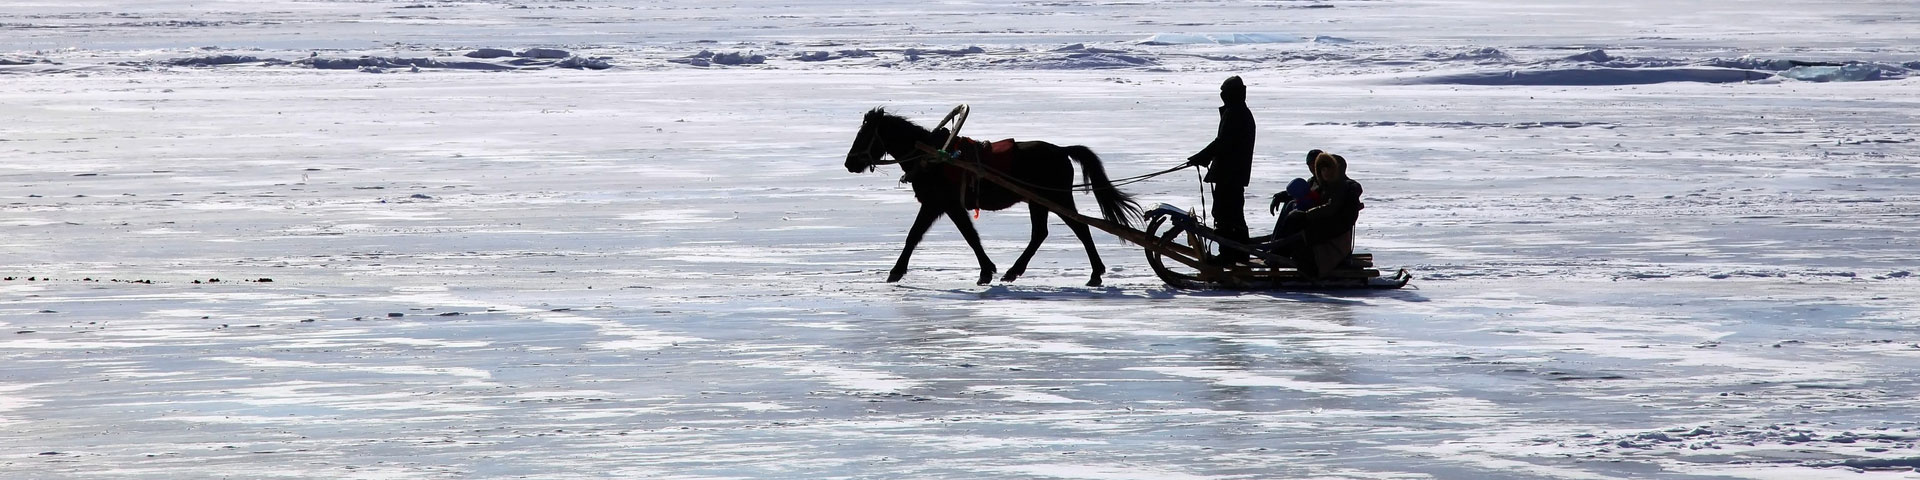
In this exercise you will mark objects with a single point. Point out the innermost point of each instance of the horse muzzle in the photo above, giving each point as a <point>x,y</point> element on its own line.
<point>860,161</point>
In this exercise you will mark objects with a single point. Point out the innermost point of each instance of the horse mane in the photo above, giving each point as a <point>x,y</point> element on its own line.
<point>881,118</point>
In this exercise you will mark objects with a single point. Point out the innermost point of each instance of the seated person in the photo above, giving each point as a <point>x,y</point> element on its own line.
<point>1301,194</point>
<point>1318,238</point>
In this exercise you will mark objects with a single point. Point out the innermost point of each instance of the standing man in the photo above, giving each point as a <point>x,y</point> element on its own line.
<point>1230,160</point>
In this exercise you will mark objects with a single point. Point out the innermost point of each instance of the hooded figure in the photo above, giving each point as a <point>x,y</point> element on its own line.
<point>1229,160</point>
<point>1319,239</point>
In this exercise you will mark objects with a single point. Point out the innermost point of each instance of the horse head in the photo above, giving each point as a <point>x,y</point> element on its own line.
<point>868,146</point>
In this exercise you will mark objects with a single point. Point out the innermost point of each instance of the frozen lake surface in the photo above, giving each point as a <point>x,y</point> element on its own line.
<point>1648,242</point>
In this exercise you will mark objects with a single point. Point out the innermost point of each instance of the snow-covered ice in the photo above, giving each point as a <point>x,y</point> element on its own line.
<point>571,239</point>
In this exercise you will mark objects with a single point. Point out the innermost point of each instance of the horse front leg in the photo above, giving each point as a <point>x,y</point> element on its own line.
<point>1086,240</point>
<point>921,222</point>
<point>1033,244</point>
<point>959,216</point>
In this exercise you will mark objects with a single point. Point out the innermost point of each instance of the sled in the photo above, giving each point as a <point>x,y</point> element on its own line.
<point>1263,270</point>
<point>1185,243</point>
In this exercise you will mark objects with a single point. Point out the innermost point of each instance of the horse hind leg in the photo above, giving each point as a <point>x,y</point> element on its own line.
<point>1086,239</point>
<point>1033,244</point>
<point>959,216</point>
<point>1093,256</point>
<point>921,223</point>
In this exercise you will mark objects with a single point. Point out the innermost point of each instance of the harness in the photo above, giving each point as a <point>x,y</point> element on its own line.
<point>948,153</point>
<point>989,156</point>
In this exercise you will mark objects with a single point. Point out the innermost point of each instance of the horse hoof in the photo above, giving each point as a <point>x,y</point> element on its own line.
<point>1010,276</point>
<point>895,276</point>
<point>1093,283</point>
<point>986,277</point>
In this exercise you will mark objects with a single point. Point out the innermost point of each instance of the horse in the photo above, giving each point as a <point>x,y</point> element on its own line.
<point>1043,168</point>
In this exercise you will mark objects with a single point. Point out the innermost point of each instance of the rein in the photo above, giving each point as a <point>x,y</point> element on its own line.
<point>942,155</point>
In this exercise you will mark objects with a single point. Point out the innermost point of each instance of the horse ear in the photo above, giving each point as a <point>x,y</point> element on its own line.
<point>876,113</point>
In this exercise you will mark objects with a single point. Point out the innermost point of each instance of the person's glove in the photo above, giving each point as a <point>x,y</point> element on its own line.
<point>1278,199</point>
<point>1199,159</point>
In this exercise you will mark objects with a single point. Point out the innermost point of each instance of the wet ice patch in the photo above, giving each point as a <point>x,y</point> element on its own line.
<point>384,369</point>
<point>11,400</point>
<point>1237,377</point>
<point>720,253</point>
<point>334,395</point>
<point>670,217</point>
<point>1023,393</point>
<point>36,343</point>
<point>1096,472</point>
<point>756,406</point>
<point>849,378</point>
<point>1006,343</point>
<point>620,335</point>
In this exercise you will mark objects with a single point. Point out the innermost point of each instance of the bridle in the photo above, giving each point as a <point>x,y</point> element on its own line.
<point>866,154</point>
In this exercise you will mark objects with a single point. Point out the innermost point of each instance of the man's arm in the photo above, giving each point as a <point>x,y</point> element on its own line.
<point>1205,157</point>
<point>1278,199</point>
<point>1326,209</point>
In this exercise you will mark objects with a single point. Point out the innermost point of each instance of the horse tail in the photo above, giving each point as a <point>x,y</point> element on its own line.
<point>1117,206</point>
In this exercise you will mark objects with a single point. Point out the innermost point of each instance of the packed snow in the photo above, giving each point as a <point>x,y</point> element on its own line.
<point>603,239</point>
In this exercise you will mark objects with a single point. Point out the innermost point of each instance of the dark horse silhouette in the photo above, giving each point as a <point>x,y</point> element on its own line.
<point>1040,167</point>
